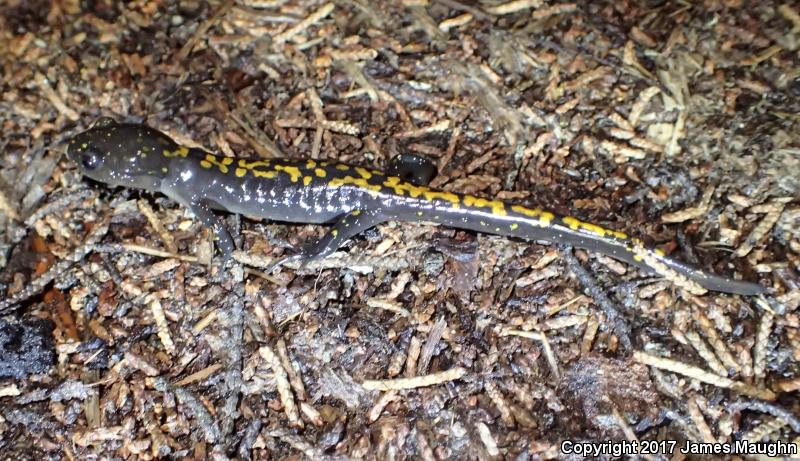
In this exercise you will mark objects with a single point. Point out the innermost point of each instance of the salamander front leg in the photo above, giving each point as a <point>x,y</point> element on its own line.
<point>347,226</point>
<point>202,210</point>
<point>223,238</point>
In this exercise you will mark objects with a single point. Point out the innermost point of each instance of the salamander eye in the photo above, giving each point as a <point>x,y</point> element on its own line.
<point>90,159</point>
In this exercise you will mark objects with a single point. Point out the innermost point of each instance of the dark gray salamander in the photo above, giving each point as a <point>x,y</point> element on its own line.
<point>352,198</point>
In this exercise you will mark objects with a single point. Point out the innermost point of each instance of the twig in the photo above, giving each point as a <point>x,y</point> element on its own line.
<point>598,295</point>
<point>766,407</point>
<point>418,381</point>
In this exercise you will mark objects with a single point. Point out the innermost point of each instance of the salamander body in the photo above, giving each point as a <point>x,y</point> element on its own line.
<point>352,198</point>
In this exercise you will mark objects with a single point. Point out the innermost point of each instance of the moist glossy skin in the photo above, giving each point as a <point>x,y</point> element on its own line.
<point>352,198</point>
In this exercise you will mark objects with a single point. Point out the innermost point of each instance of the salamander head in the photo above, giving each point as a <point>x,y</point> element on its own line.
<point>120,154</point>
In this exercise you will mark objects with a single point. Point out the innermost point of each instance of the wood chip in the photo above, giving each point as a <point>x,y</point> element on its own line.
<point>309,21</point>
<point>701,375</point>
<point>773,210</point>
<point>513,7</point>
<point>199,375</point>
<point>415,382</point>
<point>162,327</point>
<point>282,383</point>
<point>456,21</point>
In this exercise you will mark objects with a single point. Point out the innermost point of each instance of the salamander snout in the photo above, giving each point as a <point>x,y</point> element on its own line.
<point>87,150</point>
<point>120,154</point>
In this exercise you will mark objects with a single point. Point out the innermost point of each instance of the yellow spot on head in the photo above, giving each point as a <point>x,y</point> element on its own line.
<point>334,232</point>
<point>419,213</point>
<point>514,226</point>
<point>356,212</point>
<point>658,251</point>
<point>164,169</point>
<point>320,172</point>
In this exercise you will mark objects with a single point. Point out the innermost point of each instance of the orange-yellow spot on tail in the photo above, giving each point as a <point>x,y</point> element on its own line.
<point>400,187</point>
<point>498,207</point>
<point>576,224</point>
<point>573,223</point>
<point>446,196</point>
<point>543,218</point>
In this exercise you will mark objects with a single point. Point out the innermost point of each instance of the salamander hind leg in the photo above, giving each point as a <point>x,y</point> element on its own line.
<point>346,227</point>
<point>412,168</point>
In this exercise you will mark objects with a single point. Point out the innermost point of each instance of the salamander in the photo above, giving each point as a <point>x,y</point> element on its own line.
<point>352,198</point>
